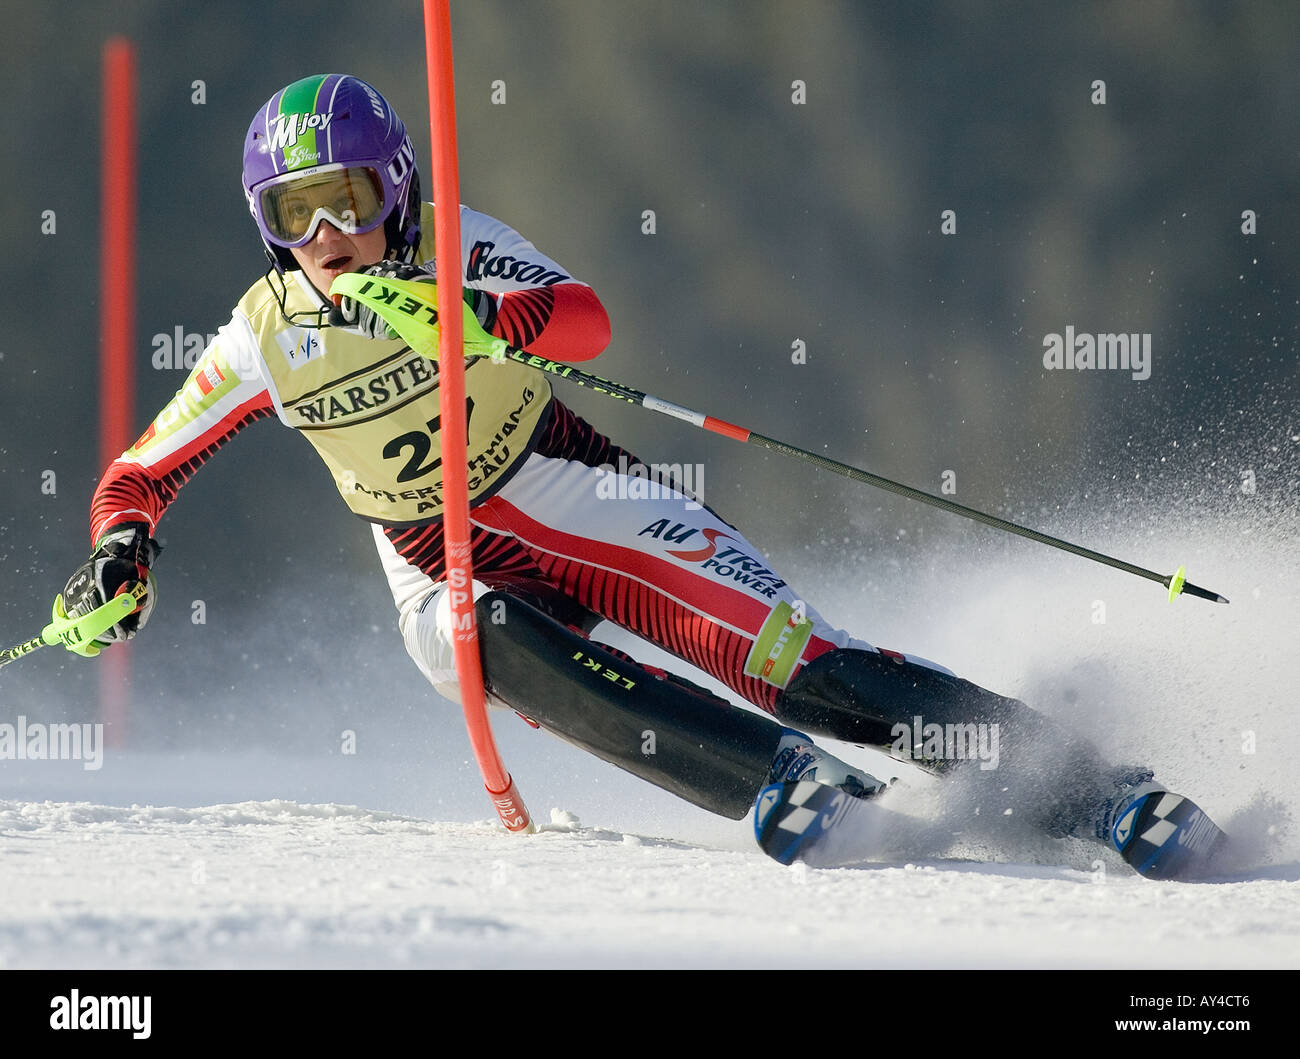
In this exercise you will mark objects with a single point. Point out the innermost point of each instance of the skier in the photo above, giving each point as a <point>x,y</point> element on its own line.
<point>558,544</point>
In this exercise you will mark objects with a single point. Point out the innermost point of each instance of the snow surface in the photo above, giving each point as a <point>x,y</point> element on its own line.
<point>253,857</point>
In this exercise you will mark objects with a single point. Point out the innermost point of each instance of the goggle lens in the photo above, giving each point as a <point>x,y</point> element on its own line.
<point>350,199</point>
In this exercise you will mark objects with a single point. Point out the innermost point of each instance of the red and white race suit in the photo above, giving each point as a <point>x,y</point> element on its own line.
<point>552,500</point>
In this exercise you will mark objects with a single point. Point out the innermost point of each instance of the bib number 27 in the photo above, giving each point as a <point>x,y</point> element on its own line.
<point>420,445</point>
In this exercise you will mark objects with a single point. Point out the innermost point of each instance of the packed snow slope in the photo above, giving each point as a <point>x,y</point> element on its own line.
<point>253,855</point>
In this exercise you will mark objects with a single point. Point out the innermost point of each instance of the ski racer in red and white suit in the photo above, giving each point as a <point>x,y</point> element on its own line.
<point>546,495</point>
<point>560,515</point>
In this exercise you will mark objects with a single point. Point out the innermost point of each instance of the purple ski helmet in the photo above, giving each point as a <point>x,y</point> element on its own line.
<point>330,148</point>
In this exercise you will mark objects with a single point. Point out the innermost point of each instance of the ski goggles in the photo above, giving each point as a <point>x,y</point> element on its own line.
<point>290,208</point>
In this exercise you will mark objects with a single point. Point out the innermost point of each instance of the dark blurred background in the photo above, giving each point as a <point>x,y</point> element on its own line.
<point>775,222</point>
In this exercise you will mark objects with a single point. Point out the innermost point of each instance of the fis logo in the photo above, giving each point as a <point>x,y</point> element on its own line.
<point>300,345</point>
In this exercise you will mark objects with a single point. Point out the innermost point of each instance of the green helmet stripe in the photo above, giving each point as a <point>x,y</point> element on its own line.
<point>302,97</point>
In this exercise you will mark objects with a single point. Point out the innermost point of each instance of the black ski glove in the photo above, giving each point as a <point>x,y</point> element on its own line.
<point>123,557</point>
<point>355,316</point>
<point>484,306</point>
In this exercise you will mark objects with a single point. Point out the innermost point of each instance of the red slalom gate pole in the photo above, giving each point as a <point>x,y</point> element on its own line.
<point>451,381</point>
<point>117,321</point>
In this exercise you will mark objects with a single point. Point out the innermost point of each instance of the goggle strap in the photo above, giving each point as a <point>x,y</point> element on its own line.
<point>305,318</point>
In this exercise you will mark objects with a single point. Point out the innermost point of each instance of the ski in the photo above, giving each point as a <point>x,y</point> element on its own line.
<point>824,827</point>
<point>1162,835</point>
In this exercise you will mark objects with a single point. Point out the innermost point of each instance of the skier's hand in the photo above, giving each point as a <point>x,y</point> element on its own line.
<point>123,557</point>
<point>478,319</point>
<point>484,307</point>
<point>479,315</point>
<point>361,318</point>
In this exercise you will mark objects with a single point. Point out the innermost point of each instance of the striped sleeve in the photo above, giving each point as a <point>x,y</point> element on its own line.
<point>564,322</point>
<point>540,307</point>
<point>222,395</point>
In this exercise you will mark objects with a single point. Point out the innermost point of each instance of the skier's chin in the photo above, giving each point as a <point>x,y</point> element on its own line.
<point>322,277</point>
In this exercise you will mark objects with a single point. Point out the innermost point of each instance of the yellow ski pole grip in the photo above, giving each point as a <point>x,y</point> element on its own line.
<point>78,634</point>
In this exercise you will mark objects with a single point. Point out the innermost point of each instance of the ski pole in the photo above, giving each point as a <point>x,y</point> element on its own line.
<point>1175,582</point>
<point>76,631</point>
<point>410,307</point>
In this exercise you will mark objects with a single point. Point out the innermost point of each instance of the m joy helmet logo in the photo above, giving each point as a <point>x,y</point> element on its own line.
<point>288,127</point>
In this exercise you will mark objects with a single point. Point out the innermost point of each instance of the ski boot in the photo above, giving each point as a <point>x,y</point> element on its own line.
<point>1161,835</point>
<point>799,758</point>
